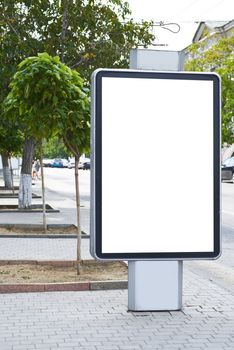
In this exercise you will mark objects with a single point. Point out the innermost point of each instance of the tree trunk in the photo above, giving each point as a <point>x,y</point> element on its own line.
<point>12,176</point>
<point>78,216</point>
<point>25,186</point>
<point>43,190</point>
<point>6,170</point>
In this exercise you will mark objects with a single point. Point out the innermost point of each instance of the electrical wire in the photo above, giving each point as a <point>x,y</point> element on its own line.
<point>164,26</point>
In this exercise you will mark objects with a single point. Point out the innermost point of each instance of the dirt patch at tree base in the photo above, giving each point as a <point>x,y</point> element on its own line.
<point>37,273</point>
<point>35,230</point>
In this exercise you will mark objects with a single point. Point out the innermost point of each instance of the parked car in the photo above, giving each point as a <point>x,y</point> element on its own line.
<point>65,162</point>
<point>57,163</point>
<point>47,162</point>
<point>86,165</point>
<point>227,170</point>
<point>71,164</point>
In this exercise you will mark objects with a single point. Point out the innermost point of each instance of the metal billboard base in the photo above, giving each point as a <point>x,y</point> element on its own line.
<point>155,285</point>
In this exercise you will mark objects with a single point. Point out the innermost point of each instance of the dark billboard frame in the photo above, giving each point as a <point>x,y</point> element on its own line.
<point>96,165</point>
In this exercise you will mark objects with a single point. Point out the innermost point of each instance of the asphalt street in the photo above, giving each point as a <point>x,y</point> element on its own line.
<point>63,182</point>
<point>60,182</point>
<point>221,271</point>
<point>60,187</point>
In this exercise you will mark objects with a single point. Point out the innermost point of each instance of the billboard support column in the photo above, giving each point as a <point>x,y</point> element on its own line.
<point>155,285</point>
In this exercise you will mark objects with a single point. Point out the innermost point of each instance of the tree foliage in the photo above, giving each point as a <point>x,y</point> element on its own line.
<point>218,58</point>
<point>85,34</point>
<point>46,98</point>
<point>54,148</point>
<point>11,137</point>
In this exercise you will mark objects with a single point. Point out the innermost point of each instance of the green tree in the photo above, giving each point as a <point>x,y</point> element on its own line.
<point>11,142</point>
<point>76,137</point>
<point>85,34</point>
<point>16,42</point>
<point>218,58</point>
<point>47,98</point>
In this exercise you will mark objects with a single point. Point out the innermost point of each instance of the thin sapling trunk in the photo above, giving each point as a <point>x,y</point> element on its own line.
<point>12,177</point>
<point>43,190</point>
<point>78,215</point>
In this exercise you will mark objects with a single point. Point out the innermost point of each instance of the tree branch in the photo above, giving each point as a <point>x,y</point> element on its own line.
<point>64,29</point>
<point>83,59</point>
<point>11,26</point>
<point>70,147</point>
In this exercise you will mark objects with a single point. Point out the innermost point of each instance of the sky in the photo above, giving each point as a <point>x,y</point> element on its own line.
<point>184,12</point>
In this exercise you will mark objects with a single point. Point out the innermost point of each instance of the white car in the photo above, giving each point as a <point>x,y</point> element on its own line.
<point>65,162</point>
<point>71,163</point>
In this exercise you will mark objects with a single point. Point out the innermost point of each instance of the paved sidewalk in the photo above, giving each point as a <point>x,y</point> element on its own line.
<point>100,321</point>
<point>46,248</point>
<point>67,207</point>
<point>42,249</point>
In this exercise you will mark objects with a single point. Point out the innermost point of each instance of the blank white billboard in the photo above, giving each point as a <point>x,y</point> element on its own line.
<point>156,166</point>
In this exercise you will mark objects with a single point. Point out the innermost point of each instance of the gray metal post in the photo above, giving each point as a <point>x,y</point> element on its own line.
<point>155,285</point>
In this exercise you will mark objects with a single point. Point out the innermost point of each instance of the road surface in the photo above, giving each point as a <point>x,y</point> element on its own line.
<point>220,271</point>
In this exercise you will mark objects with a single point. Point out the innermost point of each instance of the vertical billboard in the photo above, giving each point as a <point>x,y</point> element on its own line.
<point>155,165</point>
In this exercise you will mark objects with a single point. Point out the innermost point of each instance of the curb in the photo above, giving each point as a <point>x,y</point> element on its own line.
<point>34,208</point>
<point>22,226</point>
<point>34,211</point>
<point>55,263</point>
<point>8,189</point>
<point>8,196</point>
<point>36,226</point>
<point>62,287</point>
<point>84,235</point>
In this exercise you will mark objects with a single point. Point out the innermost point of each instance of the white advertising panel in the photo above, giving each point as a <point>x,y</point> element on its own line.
<point>155,167</point>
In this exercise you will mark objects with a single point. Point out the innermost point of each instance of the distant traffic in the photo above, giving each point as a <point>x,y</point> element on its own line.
<point>64,163</point>
<point>228,170</point>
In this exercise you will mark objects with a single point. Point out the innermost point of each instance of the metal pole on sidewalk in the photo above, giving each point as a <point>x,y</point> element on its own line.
<point>155,285</point>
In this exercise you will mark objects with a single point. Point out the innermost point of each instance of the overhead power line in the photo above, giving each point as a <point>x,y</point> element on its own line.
<point>167,26</point>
